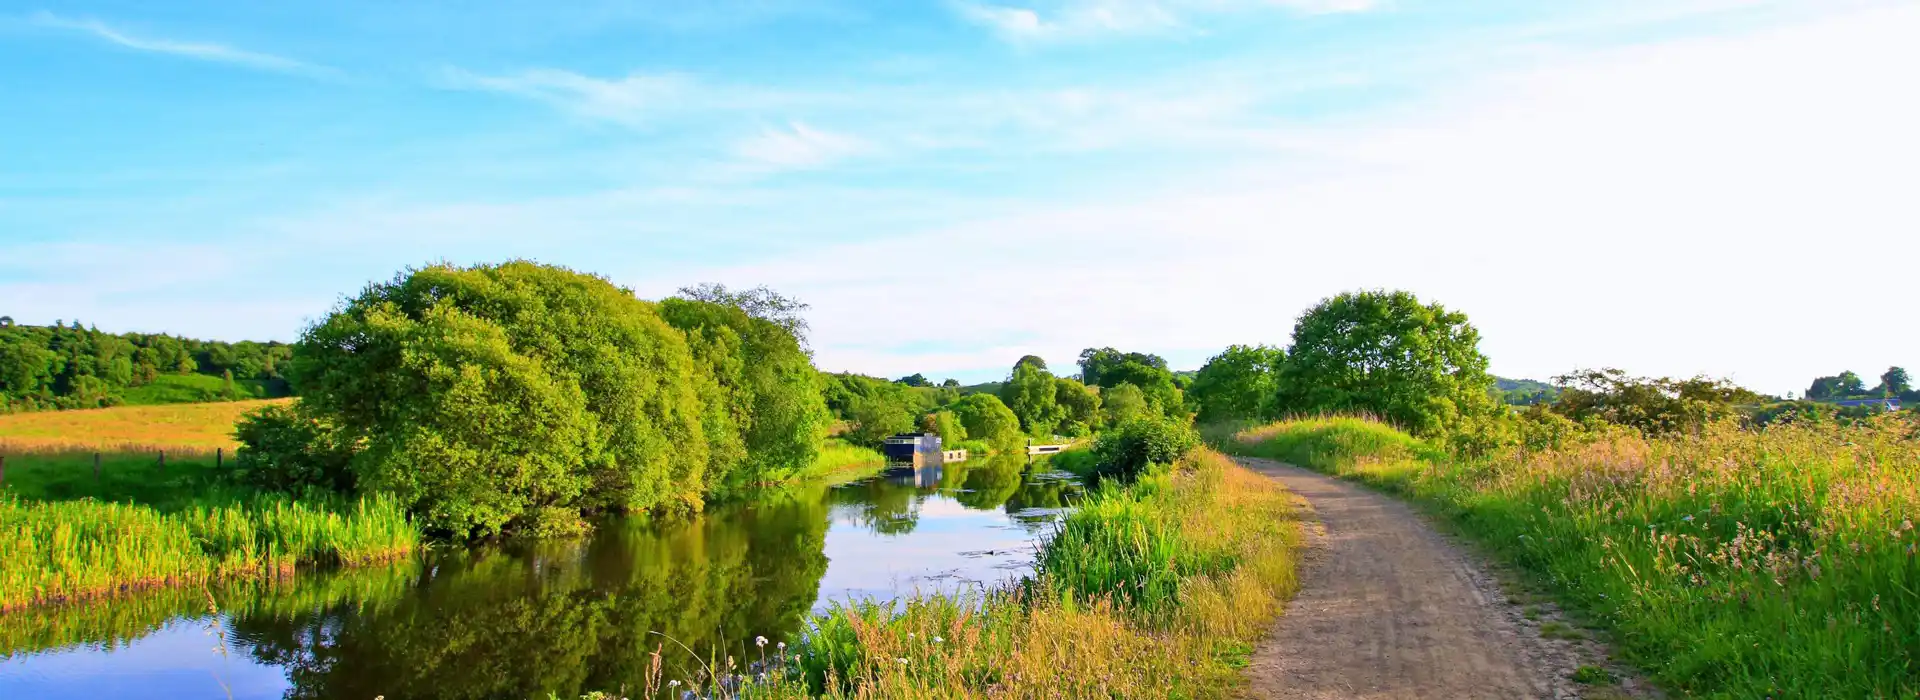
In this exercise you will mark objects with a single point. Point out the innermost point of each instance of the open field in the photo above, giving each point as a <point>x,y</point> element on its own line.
<point>201,427</point>
<point>1776,563</point>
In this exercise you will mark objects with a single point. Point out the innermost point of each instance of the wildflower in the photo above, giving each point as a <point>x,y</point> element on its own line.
<point>760,642</point>
<point>902,661</point>
<point>673,684</point>
<point>937,640</point>
<point>781,645</point>
<point>1688,518</point>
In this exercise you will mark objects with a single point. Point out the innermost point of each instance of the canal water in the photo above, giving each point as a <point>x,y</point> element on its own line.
<point>521,621</point>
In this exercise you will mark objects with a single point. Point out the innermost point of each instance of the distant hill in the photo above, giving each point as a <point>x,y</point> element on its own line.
<point>1525,392</point>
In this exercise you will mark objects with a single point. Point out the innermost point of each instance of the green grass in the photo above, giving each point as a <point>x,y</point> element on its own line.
<point>1737,564</point>
<point>187,478</point>
<point>839,458</point>
<point>192,388</point>
<point>74,550</point>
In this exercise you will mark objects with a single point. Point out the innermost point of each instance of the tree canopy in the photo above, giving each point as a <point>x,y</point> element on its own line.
<point>1650,405</point>
<point>763,397</point>
<point>512,395</point>
<point>1417,365</point>
<point>1030,393</point>
<point>987,418</point>
<point>1237,384</point>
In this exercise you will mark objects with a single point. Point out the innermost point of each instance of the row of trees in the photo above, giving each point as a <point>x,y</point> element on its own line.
<point>1419,366</point>
<point>518,396</point>
<point>69,365</point>
<point>1384,353</point>
<point>1895,383</point>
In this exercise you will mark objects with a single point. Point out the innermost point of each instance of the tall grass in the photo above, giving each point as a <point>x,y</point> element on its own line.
<point>74,550</point>
<point>837,456</point>
<point>1215,542</point>
<point>1741,564</point>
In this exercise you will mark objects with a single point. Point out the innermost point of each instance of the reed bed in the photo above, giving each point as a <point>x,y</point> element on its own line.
<point>75,550</point>
<point>1734,563</point>
<point>1216,543</point>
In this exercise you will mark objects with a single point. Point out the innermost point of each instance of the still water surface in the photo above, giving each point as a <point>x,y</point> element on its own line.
<point>563,617</point>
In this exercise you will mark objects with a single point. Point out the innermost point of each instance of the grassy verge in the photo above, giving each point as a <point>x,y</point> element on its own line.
<point>75,550</point>
<point>839,458</point>
<point>1741,564</point>
<point>1156,590</point>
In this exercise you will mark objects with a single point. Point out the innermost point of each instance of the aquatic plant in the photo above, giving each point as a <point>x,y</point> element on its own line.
<point>63,551</point>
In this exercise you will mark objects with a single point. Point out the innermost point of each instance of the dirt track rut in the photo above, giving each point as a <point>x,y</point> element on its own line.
<point>1390,609</point>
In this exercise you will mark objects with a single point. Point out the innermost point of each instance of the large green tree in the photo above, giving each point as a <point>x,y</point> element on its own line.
<point>987,418</point>
<point>1079,407</point>
<point>1108,368</point>
<point>1123,403</point>
<point>1386,353</point>
<point>1237,384</point>
<point>1029,391</point>
<point>496,396</point>
<point>764,415</point>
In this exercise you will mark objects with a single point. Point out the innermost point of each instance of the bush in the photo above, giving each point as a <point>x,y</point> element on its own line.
<point>989,420</point>
<point>285,449</point>
<point>1142,446</point>
<point>486,396</point>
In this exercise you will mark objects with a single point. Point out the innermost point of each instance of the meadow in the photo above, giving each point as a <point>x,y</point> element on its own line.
<point>200,427</point>
<point>1732,563</point>
<point>1158,589</point>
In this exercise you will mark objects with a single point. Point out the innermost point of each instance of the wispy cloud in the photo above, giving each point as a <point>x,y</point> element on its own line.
<point>202,51</point>
<point>1071,19</point>
<point>797,147</point>
<point>630,100</point>
<point>636,99</point>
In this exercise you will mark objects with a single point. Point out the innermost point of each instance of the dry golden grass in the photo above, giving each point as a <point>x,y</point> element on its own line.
<point>200,427</point>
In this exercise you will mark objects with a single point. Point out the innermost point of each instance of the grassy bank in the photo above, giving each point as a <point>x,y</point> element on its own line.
<point>74,550</point>
<point>1741,564</point>
<point>1158,590</point>
<point>839,457</point>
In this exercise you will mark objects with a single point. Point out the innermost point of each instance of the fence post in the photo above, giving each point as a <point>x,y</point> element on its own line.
<point>3,469</point>
<point>96,466</point>
<point>163,461</point>
<point>219,457</point>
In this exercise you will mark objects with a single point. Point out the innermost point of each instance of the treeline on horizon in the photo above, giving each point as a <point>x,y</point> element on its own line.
<point>1110,389</point>
<point>71,366</point>
<point>1417,366</point>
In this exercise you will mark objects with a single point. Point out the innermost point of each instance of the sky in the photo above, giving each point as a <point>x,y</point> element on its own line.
<point>1671,187</point>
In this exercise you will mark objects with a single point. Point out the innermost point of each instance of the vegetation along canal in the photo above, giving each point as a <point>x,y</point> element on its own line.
<point>521,620</point>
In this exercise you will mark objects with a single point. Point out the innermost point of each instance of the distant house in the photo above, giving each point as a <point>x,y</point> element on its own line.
<point>908,446</point>
<point>1883,404</point>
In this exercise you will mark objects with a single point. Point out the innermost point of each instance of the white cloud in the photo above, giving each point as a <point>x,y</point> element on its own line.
<point>1738,205</point>
<point>217,53</point>
<point>633,99</point>
<point>797,147</point>
<point>1072,19</point>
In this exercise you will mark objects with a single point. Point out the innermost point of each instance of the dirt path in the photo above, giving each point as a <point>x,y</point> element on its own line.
<point>1390,609</point>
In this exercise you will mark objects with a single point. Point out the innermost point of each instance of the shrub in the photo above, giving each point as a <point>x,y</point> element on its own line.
<point>1141,446</point>
<point>485,395</point>
<point>285,449</point>
<point>989,420</point>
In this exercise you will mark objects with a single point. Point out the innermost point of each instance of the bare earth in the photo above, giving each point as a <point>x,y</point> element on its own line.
<point>1388,608</point>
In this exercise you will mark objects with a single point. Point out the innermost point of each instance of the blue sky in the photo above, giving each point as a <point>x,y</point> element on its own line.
<point>1668,186</point>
